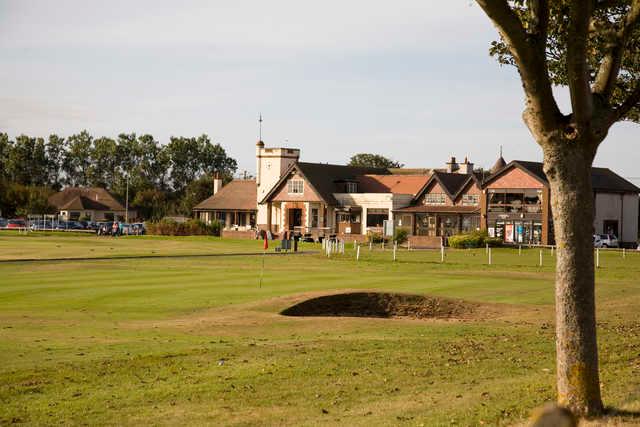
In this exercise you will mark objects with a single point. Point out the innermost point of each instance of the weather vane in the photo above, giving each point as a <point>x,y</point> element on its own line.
<point>260,127</point>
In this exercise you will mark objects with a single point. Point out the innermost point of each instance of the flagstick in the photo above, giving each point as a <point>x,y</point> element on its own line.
<point>264,253</point>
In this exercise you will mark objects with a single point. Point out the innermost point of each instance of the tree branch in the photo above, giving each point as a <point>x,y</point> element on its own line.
<point>577,67</point>
<point>610,65</point>
<point>528,53</point>
<point>540,19</point>
<point>632,101</point>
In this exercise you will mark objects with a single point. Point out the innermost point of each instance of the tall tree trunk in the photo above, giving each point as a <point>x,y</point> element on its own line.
<point>567,164</point>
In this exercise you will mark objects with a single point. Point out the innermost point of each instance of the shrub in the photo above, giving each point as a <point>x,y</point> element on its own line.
<point>375,237</point>
<point>400,235</point>
<point>193,227</point>
<point>476,239</point>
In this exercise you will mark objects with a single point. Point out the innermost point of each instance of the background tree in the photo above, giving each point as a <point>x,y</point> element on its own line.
<point>56,150</point>
<point>104,163</point>
<point>78,159</point>
<point>194,193</point>
<point>593,48</point>
<point>373,161</point>
<point>151,204</point>
<point>214,158</point>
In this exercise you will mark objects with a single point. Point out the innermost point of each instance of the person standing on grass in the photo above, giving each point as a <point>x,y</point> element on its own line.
<point>115,229</point>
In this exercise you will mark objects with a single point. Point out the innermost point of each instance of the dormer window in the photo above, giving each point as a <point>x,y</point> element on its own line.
<point>352,187</point>
<point>295,186</point>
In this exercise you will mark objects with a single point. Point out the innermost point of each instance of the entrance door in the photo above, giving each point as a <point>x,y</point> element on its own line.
<point>295,218</point>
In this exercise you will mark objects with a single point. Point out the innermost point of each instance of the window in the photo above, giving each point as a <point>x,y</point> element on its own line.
<point>376,217</point>
<point>295,186</point>
<point>352,187</point>
<point>434,199</point>
<point>470,200</point>
<point>314,217</point>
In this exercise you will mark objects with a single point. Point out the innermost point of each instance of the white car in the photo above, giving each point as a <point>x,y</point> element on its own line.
<point>605,241</point>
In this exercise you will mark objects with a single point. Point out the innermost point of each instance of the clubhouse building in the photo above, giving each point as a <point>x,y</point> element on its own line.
<point>511,201</point>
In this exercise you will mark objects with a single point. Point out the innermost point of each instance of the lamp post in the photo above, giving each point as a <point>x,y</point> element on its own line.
<point>126,203</point>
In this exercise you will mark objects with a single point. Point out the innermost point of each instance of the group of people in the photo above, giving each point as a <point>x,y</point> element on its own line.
<point>117,228</point>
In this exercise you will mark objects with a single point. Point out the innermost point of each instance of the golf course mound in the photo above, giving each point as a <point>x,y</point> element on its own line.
<point>385,305</point>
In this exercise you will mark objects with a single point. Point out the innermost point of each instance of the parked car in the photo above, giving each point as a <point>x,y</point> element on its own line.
<point>16,224</point>
<point>89,225</point>
<point>3,223</point>
<point>605,241</point>
<point>137,229</point>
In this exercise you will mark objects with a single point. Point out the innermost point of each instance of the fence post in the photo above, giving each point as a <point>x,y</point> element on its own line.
<point>489,253</point>
<point>597,257</point>
<point>370,245</point>
<point>395,247</point>
<point>382,244</point>
<point>358,253</point>
<point>486,248</point>
<point>624,253</point>
<point>519,250</point>
<point>442,253</point>
<point>540,263</point>
<point>552,250</point>
<point>408,244</point>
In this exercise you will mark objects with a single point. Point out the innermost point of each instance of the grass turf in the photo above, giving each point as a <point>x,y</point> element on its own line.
<point>195,340</point>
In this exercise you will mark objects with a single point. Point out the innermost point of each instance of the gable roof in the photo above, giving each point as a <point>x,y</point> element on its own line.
<point>81,198</point>
<point>395,184</point>
<point>323,177</point>
<point>602,179</point>
<point>452,183</point>
<point>238,195</point>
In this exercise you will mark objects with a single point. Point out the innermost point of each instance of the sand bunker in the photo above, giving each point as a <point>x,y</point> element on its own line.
<point>386,305</point>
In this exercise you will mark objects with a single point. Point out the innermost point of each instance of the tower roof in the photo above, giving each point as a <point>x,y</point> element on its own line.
<point>499,164</point>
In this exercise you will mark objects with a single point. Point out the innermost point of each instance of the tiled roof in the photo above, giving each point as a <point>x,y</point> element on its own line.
<point>237,195</point>
<point>602,179</point>
<point>396,184</point>
<point>93,198</point>
<point>82,203</point>
<point>452,182</point>
<point>323,177</point>
<point>499,164</point>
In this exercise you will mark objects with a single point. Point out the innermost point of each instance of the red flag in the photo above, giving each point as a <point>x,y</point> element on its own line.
<point>266,243</point>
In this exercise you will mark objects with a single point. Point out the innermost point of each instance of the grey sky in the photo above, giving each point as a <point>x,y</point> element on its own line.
<point>410,79</point>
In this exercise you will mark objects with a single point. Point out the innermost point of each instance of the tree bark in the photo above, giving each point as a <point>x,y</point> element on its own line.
<point>567,164</point>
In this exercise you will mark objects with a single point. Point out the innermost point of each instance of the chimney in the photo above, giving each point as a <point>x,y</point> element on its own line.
<point>217,183</point>
<point>466,168</point>
<point>452,165</point>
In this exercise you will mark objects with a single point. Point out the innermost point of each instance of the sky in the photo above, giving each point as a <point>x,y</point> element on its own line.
<point>409,79</point>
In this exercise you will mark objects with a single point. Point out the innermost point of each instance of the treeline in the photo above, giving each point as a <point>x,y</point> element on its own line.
<point>162,179</point>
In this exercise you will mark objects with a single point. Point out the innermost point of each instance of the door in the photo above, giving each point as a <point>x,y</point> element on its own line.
<point>295,218</point>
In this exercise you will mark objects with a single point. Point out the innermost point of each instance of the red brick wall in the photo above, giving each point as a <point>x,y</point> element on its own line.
<point>424,241</point>
<point>516,178</point>
<point>435,188</point>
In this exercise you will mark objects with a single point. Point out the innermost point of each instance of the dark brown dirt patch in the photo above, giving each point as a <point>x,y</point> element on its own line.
<point>386,305</point>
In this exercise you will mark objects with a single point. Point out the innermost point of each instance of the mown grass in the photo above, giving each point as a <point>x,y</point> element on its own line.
<point>196,341</point>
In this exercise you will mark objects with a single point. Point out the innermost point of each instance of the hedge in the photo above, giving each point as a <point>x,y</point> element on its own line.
<point>476,239</point>
<point>193,227</point>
